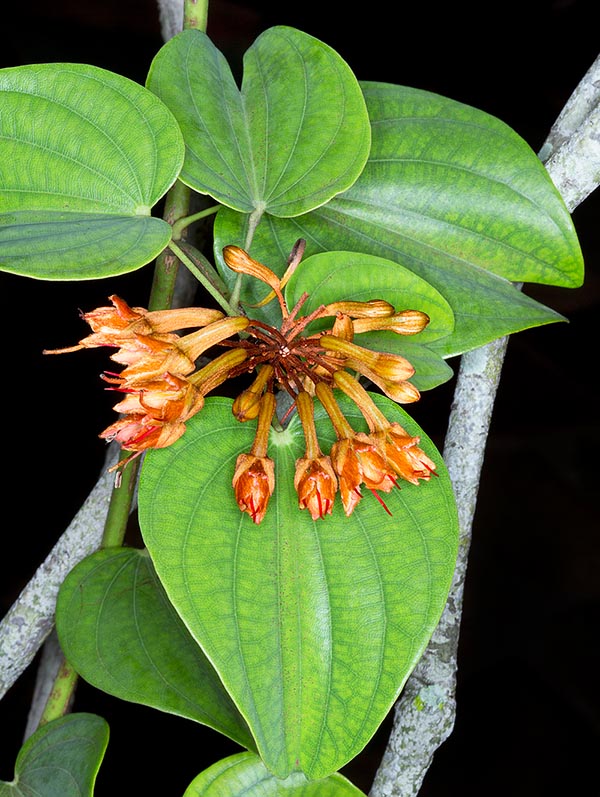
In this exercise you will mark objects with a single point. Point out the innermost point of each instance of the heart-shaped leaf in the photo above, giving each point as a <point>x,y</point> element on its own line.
<point>112,603</point>
<point>245,775</point>
<point>454,195</point>
<point>84,156</point>
<point>295,135</point>
<point>61,759</point>
<point>313,627</point>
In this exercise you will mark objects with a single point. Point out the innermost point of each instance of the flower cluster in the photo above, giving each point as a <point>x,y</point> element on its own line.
<point>164,388</point>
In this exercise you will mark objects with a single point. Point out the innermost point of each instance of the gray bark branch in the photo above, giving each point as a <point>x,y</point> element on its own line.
<point>424,715</point>
<point>30,619</point>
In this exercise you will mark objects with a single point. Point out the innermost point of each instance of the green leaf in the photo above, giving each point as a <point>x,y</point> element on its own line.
<point>295,135</point>
<point>245,775</point>
<point>455,196</point>
<point>84,156</point>
<point>112,601</point>
<point>61,759</point>
<point>312,627</point>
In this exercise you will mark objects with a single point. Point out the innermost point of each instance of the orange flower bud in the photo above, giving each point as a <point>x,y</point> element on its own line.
<point>240,261</point>
<point>218,370</point>
<point>196,343</point>
<point>391,366</point>
<point>376,308</point>
<point>342,327</point>
<point>402,392</point>
<point>247,405</point>
<point>182,318</point>
<point>316,485</point>
<point>408,322</point>
<point>253,484</point>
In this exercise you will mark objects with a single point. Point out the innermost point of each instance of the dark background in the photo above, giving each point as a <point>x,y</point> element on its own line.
<point>528,719</point>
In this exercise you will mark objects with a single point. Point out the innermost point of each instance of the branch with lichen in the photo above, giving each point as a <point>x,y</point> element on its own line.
<point>425,713</point>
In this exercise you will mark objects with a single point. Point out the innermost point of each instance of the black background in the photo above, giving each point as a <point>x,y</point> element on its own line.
<point>528,719</point>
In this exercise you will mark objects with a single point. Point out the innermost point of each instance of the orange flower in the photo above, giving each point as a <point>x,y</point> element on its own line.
<point>376,473</point>
<point>315,479</point>
<point>141,432</point>
<point>254,475</point>
<point>112,326</point>
<point>253,484</point>
<point>402,453</point>
<point>168,399</point>
<point>247,404</point>
<point>148,357</point>
<point>164,388</point>
<point>346,464</point>
<point>408,322</point>
<point>316,485</point>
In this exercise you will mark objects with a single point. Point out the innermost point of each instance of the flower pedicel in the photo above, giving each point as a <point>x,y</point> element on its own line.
<point>163,387</point>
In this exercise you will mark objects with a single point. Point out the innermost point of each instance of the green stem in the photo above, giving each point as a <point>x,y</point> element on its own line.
<point>180,225</point>
<point>253,220</point>
<point>119,508</point>
<point>205,266</point>
<point>59,702</point>
<point>177,205</point>
<point>203,278</point>
<point>195,14</point>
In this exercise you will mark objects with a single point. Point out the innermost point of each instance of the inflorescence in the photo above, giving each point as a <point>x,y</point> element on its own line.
<point>163,387</point>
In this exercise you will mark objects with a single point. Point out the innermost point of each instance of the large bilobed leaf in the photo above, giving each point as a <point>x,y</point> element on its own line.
<point>313,627</point>
<point>296,134</point>
<point>112,603</point>
<point>84,156</point>
<point>61,759</point>
<point>450,193</point>
<point>245,775</point>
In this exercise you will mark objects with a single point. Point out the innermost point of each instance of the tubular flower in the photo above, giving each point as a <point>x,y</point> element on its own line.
<point>357,458</point>
<point>254,476</point>
<point>253,484</point>
<point>403,454</point>
<point>316,485</point>
<point>315,480</point>
<point>168,399</point>
<point>163,385</point>
<point>112,326</point>
<point>400,450</point>
<point>346,464</point>
<point>137,433</point>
